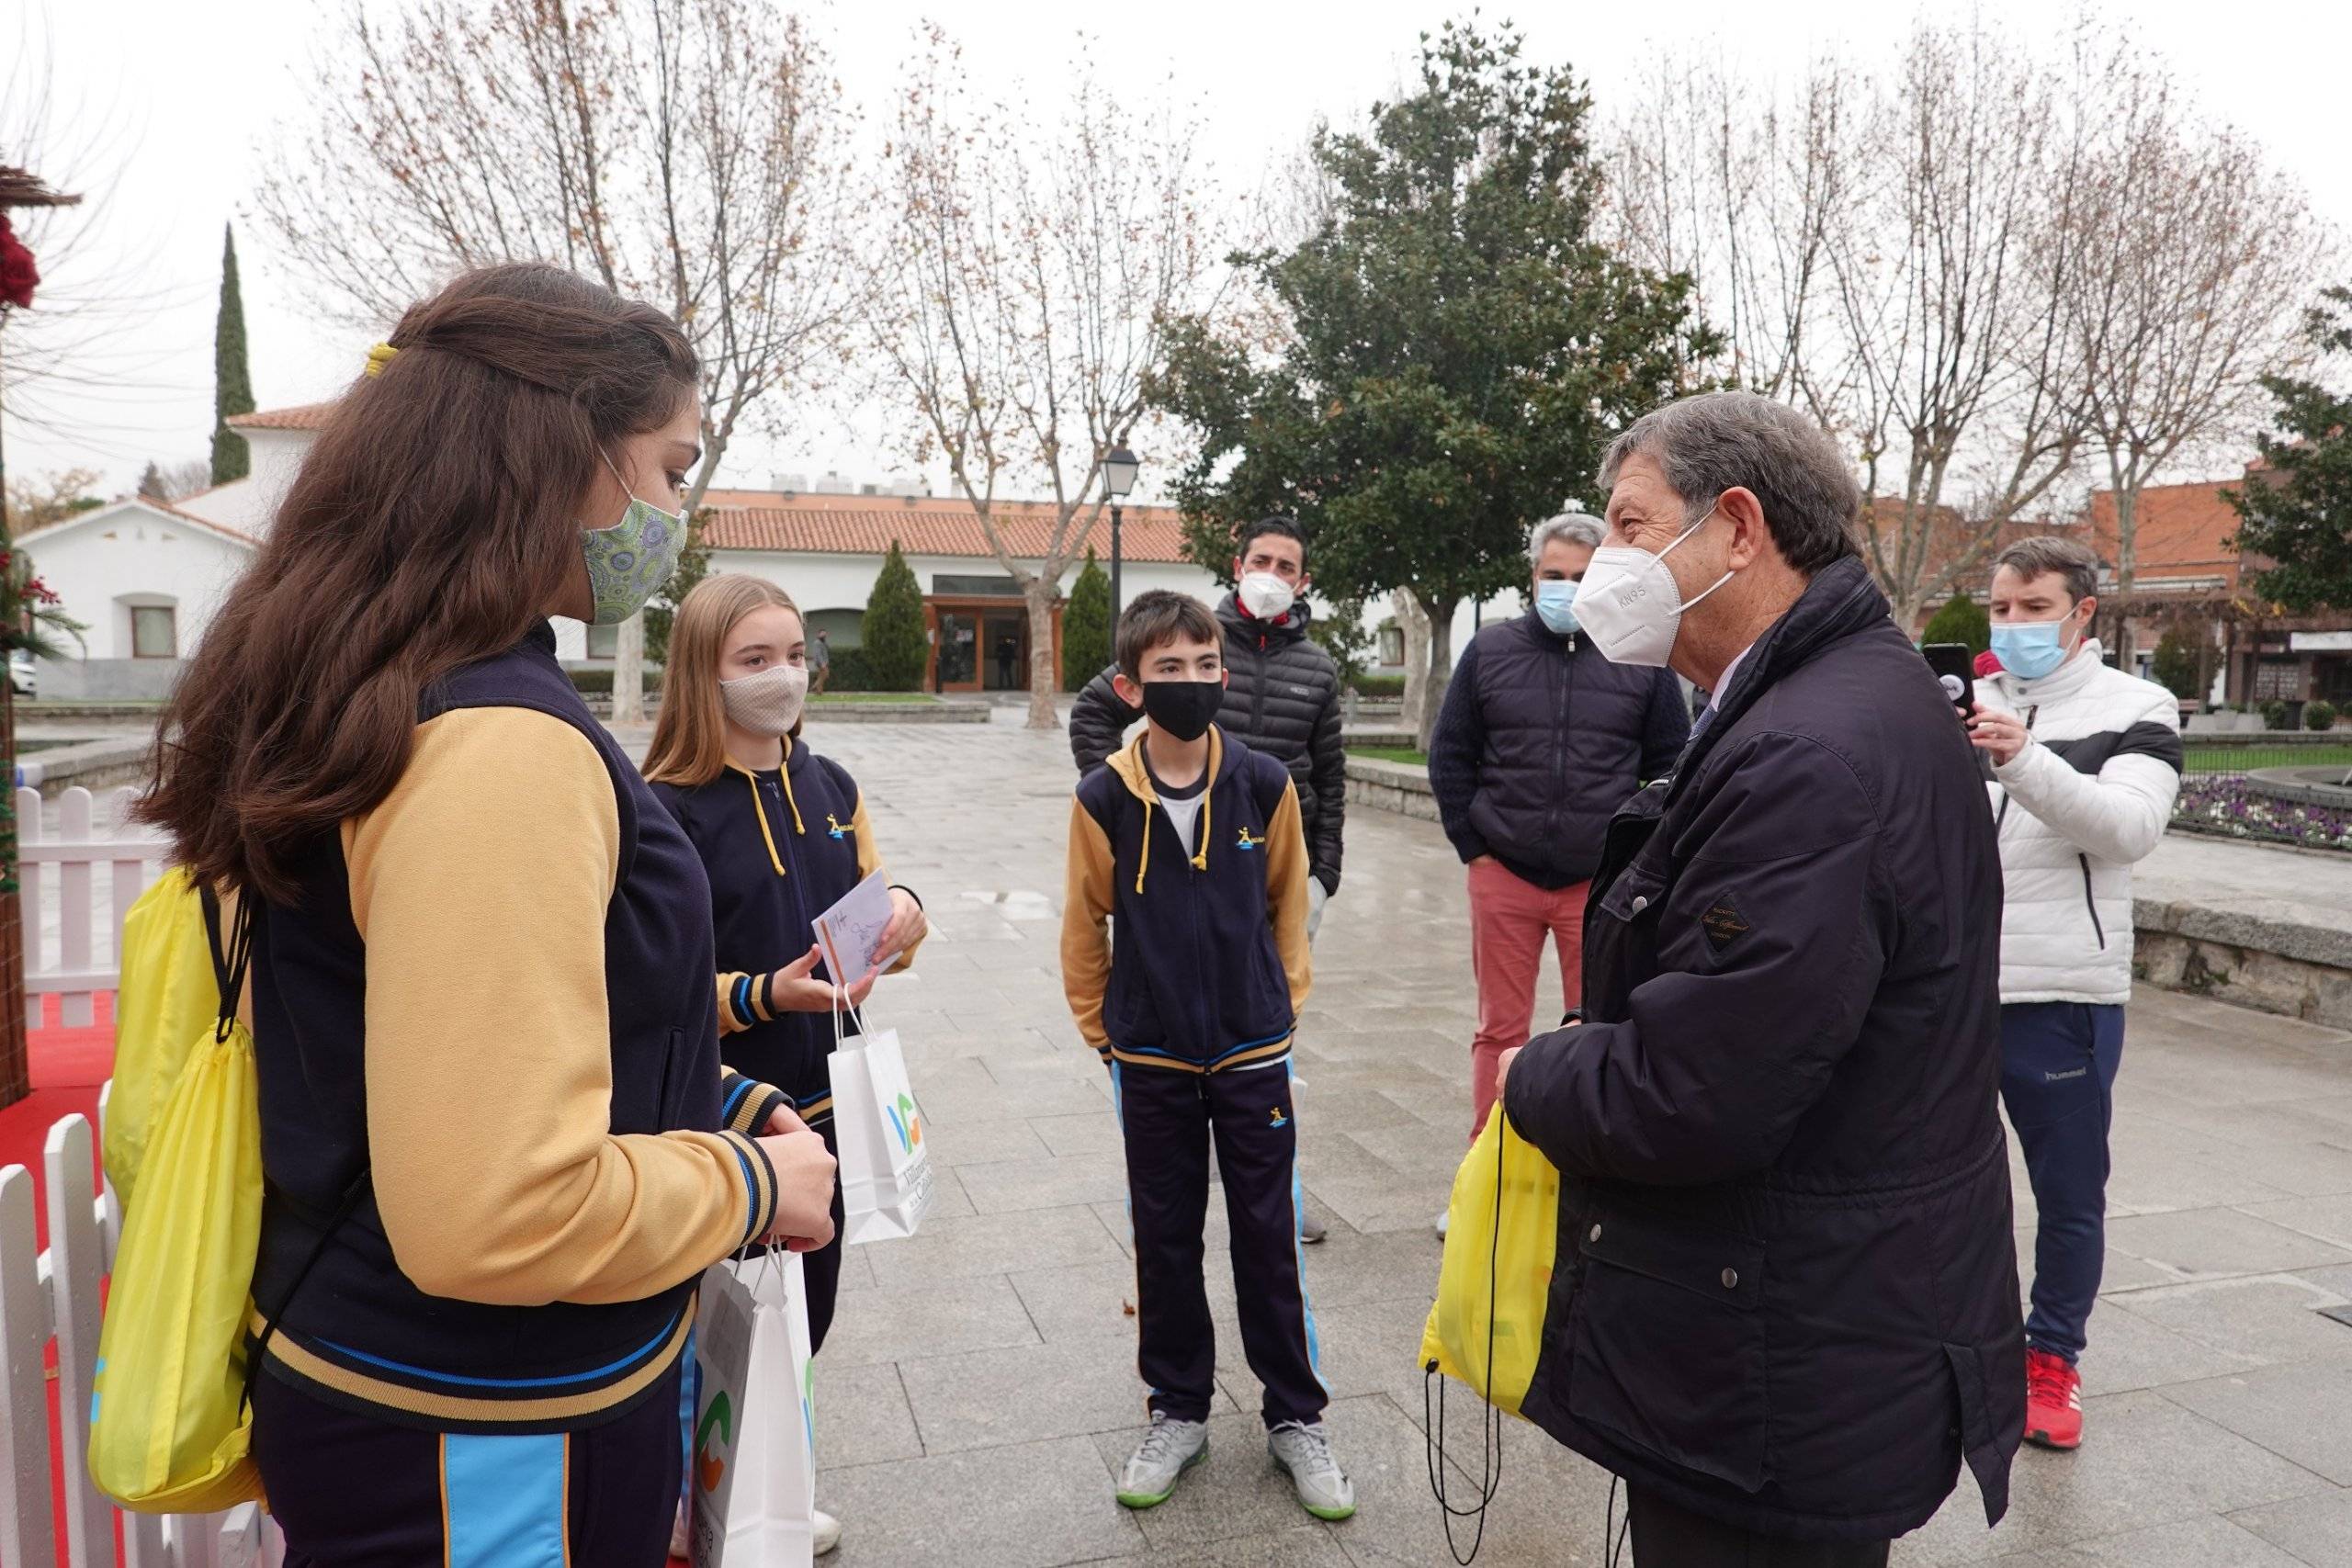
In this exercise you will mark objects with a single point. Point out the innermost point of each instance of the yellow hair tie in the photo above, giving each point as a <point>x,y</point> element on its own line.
<point>380,357</point>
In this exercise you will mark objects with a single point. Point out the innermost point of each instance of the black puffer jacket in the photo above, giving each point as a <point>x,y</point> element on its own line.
<point>1281,698</point>
<point>1787,1294</point>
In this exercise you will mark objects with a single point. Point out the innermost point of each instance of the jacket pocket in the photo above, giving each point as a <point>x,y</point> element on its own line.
<point>1637,893</point>
<point>670,1091</point>
<point>1667,1345</point>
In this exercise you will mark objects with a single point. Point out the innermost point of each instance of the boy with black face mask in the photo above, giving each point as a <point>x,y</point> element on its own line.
<point>1191,842</point>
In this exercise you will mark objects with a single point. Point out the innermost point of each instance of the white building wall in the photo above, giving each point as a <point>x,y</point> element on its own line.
<point>120,556</point>
<point>249,504</point>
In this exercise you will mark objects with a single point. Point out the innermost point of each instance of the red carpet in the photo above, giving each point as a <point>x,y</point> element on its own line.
<point>69,1065</point>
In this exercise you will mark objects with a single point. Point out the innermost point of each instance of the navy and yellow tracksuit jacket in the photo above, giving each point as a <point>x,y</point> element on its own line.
<point>1211,967</point>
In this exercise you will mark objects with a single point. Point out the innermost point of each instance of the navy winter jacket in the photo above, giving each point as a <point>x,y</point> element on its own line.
<point>1540,740</point>
<point>1786,1294</point>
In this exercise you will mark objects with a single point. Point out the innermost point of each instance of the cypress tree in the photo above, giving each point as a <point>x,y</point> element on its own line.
<point>1086,625</point>
<point>232,383</point>
<point>892,632</point>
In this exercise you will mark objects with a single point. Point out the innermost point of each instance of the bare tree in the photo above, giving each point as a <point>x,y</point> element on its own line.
<point>2196,259</point>
<point>689,153</point>
<point>1024,274</point>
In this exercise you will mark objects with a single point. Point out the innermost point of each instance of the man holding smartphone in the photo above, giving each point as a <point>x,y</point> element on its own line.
<point>2086,765</point>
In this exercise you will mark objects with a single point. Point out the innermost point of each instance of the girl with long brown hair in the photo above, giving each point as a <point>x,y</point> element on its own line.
<point>493,1134</point>
<point>783,833</point>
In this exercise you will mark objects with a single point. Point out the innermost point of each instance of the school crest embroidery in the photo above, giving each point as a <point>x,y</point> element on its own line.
<point>833,829</point>
<point>1248,840</point>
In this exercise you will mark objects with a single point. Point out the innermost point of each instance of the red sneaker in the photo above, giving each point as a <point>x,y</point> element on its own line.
<point>2053,1400</point>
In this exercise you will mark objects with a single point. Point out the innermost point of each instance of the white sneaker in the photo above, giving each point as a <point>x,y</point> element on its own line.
<point>1304,1448</point>
<point>1167,1452</point>
<point>681,1532</point>
<point>1442,1215</point>
<point>826,1533</point>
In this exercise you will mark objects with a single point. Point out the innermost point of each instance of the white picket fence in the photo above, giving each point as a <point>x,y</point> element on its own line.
<point>52,1294</point>
<point>60,878</point>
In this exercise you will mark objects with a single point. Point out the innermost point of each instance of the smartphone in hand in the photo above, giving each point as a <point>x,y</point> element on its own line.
<point>1955,672</point>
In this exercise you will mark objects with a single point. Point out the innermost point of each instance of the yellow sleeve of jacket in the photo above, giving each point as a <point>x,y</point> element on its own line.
<point>869,861</point>
<point>1286,875</point>
<point>479,886</point>
<point>1086,937</point>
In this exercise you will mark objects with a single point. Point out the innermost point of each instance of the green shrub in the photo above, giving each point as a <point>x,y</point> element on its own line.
<point>852,671</point>
<point>2319,715</point>
<point>599,683</point>
<point>1344,637</point>
<point>2175,666</point>
<point>2276,713</point>
<point>1086,625</point>
<point>893,634</point>
<point>1378,685</point>
<point>1962,620</point>
<point>694,565</point>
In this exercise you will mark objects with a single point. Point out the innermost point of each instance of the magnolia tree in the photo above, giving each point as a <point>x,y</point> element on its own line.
<point>1026,265</point>
<point>692,153</point>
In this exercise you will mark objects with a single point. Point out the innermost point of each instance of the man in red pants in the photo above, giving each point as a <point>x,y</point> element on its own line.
<point>1540,740</point>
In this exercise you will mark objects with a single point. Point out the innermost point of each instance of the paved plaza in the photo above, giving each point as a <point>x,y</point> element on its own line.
<point>979,1390</point>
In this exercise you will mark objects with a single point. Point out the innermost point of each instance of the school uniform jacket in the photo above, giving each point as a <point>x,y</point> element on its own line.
<point>1211,967</point>
<point>780,846</point>
<point>489,1079</point>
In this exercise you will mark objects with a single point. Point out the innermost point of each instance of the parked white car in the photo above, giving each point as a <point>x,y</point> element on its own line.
<point>21,679</point>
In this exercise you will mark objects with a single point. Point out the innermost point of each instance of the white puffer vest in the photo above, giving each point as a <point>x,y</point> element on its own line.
<point>2089,794</point>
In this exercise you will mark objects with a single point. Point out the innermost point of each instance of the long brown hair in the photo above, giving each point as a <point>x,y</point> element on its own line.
<point>433,522</point>
<point>690,736</point>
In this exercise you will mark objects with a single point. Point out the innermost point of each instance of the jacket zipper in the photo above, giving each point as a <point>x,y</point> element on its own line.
<point>2003,814</point>
<point>1568,677</point>
<point>795,871</point>
<point>2089,903</point>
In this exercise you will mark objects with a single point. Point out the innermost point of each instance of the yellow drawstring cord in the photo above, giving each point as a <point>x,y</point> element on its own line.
<point>784,771</point>
<point>759,810</point>
<point>1208,814</point>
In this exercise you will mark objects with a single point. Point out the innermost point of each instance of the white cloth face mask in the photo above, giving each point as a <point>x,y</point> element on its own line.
<point>768,702</point>
<point>1629,606</point>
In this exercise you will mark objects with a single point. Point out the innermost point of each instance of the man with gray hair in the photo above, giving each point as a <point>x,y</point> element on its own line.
<point>1539,740</point>
<point>1785,1304</point>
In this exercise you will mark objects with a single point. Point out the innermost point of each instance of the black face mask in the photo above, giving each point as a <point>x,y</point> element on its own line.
<point>1184,708</point>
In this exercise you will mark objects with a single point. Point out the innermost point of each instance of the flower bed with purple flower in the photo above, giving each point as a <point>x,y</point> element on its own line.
<point>2234,805</point>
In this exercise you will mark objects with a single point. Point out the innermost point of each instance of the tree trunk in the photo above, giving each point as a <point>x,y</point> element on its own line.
<point>1441,671</point>
<point>1415,627</point>
<point>629,671</point>
<point>2126,554</point>
<point>1042,593</point>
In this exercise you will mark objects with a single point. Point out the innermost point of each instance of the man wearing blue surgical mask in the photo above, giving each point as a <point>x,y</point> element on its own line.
<point>2085,763</point>
<point>1540,738</point>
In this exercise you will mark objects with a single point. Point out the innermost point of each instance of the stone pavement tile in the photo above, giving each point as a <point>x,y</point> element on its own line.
<point>2189,1543</point>
<point>948,1045</point>
<point>988,1398</point>
<point>1548,1508</point>
<point>1049,1183</point>
<point>1386,1266</point>
<point>1029,1506</point>
<point>2231,1071</point>
<point>2144,1460</point>
<point>2326,1219</point>
<point>1308,1546</point>
<point>2263,1318</point>
<point>1374,1205</point>
<point>977,1142</point>
<point>2129,1351</point>
<point>2119,1275</point>
<point>1088,1133</point>
<point>2207,1243</point>
<point>1053,1066</point>
<point>2175,1016</point>
<point>862,1414</point>
<point>2301,1411</point>
<point>2315,1528</point>
<point>2152,1175</point>
<point>1415,1152</point>
<point>1367,1347</point>
<point>978,1245</point>
<point>857,1270</point>
<point>952,1104</point>
<point>1084,1301</point>
<point>911,1318</point>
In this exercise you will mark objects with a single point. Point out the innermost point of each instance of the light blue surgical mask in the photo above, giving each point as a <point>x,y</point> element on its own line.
<point>2030,649</point>
<point>1556,602</point>
<point>628,562</point>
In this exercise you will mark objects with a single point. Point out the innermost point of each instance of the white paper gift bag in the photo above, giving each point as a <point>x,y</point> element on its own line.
<point>884,1166</point>
<point>754,1463</point>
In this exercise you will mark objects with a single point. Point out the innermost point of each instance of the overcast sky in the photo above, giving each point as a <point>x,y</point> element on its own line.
<point>189,94</point>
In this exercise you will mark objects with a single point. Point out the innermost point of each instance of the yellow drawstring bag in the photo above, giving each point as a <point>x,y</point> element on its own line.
<point>169,1431</point>
<point>1502,1231</point>
<point>170,993</point>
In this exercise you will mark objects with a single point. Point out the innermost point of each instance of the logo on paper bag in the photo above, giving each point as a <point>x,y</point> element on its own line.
<point>907,1122</point>
<point>708,1467</point>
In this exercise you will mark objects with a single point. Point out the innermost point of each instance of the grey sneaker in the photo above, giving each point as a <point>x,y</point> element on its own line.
<point>1304,1448</point>
<point>1310,1229</point>
<point>1167,1452</point>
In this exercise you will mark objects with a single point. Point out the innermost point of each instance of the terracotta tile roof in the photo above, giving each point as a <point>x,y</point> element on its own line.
<point>304,416</point>
<point>834,525</point>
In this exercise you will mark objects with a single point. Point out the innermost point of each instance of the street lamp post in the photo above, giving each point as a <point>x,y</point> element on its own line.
<point>1118,478</point>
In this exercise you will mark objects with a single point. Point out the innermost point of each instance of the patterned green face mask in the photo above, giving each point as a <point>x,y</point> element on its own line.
<point>628,562</point>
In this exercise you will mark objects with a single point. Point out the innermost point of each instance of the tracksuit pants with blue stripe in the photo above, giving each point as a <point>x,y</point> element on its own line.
<point>1169,1117</point>
<point>2058,1066</point>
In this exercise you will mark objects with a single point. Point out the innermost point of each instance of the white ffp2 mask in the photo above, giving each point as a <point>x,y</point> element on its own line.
<point>1266,597</point>
<point>1628,603</point>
